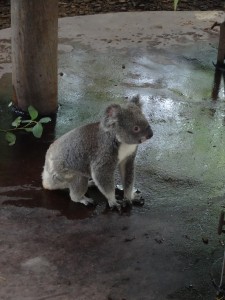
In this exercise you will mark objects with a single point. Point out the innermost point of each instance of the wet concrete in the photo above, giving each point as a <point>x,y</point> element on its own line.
<point>52,248</point>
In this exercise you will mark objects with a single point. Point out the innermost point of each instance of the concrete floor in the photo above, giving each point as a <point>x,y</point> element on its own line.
<point>51,248</point>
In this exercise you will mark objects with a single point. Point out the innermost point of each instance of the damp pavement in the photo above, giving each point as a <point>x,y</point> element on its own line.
<point>52,248</point>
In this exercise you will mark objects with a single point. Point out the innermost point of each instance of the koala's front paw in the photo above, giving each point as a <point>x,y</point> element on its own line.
<point>135,198</point>
<point>115,205</point>
<point>126,202</point>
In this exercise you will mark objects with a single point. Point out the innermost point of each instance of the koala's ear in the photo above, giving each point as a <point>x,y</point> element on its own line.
<point>137,101</point>
<point>111,116</point>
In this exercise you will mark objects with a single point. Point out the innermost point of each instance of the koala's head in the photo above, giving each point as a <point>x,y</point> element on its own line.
<point>128,122</point>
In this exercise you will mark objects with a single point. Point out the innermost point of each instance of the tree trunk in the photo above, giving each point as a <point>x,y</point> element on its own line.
<point>34,54</point>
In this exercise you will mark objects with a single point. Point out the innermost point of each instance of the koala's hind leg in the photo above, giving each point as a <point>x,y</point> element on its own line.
<point>53,180</point>
<point>78,187</point>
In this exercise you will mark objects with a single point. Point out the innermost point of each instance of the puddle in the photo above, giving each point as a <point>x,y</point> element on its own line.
<point>57,202</point>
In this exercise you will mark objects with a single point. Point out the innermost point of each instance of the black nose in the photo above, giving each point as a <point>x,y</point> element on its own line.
<point>149,132</point>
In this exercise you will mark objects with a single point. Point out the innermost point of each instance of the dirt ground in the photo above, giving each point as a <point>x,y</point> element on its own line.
<point>70,8</point>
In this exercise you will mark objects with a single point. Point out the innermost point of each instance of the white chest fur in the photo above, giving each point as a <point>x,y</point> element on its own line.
<point>125,150</point>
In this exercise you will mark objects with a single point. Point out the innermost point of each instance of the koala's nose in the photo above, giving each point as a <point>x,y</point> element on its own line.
<point>149,132</point>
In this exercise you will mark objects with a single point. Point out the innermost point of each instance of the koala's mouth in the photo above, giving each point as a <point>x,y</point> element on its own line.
<point>142,140</point>
<point>145,138</point>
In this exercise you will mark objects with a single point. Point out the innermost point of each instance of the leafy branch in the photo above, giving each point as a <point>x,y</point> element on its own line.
<point>29,125</point>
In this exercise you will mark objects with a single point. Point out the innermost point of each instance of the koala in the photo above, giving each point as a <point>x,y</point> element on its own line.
<point>95,150</point>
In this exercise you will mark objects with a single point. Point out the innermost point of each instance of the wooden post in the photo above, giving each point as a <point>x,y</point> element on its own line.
<point>221,47</point>
<point>216,84</point>
<point>220,61</point>
<point>34,54</point>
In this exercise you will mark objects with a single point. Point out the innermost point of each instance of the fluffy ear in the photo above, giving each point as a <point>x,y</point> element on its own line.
<point>111,116</point>
<point>137,101</point>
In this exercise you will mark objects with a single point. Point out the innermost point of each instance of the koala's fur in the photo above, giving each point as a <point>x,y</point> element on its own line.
<point>95,150</point>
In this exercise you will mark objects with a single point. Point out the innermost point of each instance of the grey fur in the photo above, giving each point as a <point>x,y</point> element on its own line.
<point>95,150</point>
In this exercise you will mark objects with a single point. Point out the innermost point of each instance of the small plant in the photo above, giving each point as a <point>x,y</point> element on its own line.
<point>175,2</point>
<point>29,125</point>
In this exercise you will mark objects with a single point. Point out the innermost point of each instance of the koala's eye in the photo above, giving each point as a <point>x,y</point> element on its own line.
<point>136,129</point>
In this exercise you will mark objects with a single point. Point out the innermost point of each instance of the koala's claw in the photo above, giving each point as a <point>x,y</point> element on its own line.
<point>91,183</point>
<point>86,201</point>
<point>138,199</point>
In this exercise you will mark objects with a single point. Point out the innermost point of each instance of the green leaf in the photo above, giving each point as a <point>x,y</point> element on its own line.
<point>32,112</point>
<point>10,138</point>
<point>10,104</point>
<point>45,120</point>
<point>16,122</point>
<point>37,130</point>
<point>175,2</point>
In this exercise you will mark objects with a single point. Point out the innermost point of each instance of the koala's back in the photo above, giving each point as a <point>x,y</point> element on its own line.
<point>81,147</point>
